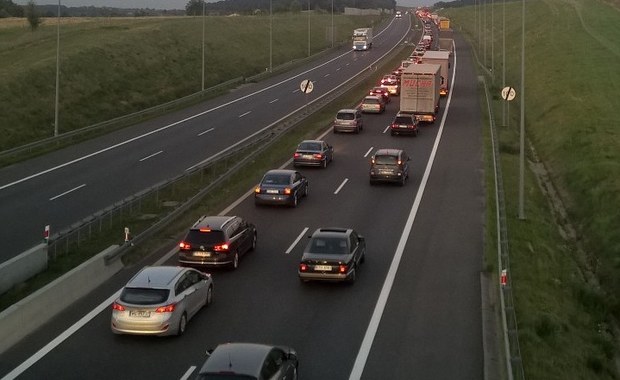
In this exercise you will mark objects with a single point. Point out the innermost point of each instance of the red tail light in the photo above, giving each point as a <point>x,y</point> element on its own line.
<point>221,247</point>
<point>287,191</point>
<point>342,269</point>
<point>296,155</point>
<point>119,307</point>
<point>184,246</point>
<point>318,155</point>
<point>303,267</point>
<point>166,309</point>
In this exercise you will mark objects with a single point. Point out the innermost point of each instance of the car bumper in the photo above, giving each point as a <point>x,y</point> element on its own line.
<point>273,199</point>
<point>166,325</point>
<point>404,131</point>
<point>302,162</point>
<point>346,128</point>
<point>372,110</point>
<point>213,261</point>
<point>318,276</point>
<point>386,177</point>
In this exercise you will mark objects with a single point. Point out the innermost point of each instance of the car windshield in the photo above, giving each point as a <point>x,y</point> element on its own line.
<point>309,146</point>
<point>386,160</point>
<point>224,376</point>
<point>276,179</point>
<point>204,237</point>
<point>333,246</point>
<point>345,116</point>
<point>144,296</point>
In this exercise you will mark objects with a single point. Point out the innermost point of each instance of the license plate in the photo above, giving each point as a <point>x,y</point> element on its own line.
<point>140,313</point>
<point>271,191</point>
<point>202,254</point>
<point>307,156</point>
<point>403,126</point>
<point>323,267</point>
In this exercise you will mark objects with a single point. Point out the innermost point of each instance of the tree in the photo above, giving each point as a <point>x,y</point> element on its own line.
<point>194,8</point>
<point>32,14</point>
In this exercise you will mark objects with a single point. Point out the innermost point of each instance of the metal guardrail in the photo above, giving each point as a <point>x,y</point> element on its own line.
<point>514,363</point>
<point>81,231</point>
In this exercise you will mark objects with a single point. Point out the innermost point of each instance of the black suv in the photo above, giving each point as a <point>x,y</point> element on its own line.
<point>217,241</point>
<point>389,165</point>
<point>404,124</point>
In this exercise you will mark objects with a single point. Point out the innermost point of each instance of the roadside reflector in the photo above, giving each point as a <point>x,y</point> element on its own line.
<point>504,277</point>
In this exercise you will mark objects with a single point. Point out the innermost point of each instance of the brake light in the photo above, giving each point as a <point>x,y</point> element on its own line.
<point>318,155</point>
<point>205,230</point>
<point>303,267</point>
<point>400,162</point>
<point>118,307</point>
<point>287,191</point>
<point>342,269</point>
<point>257,190</point>
<point>166,309</point>
<point>296,155</point>
<point>183,245</point>
<point>221,248</point>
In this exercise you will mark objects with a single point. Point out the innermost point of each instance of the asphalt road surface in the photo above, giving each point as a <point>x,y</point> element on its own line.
<point>413,313</point>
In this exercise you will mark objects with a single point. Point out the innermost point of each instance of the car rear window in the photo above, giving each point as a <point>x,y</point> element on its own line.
<point>403,120</point>
<point>386,160</point>
<point>345,116</point>
<point>144,296</point>
<point>276,179</point>
<point>309,146</point>
<point>371,101</point>
<point>335,246</point>
<point>198,237</point>
<point>224,376</point>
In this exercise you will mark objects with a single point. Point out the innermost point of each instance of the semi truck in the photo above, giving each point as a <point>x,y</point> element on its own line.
<point>419,91</point>
<point>362,38</point>
<point>441,58</point>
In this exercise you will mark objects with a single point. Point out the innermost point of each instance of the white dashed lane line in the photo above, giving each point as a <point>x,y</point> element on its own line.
<point>301,235</point>
<point>151,155</point>
<point>207,131</point>
<point>67,192</point>
<point>341,186</point>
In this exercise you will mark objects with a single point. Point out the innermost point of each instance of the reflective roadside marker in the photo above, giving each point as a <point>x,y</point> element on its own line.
<point>126,234</point>
<point>504,277</point>
<point>46,233</point>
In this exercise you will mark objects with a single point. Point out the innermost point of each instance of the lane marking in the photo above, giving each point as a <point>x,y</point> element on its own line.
<point>338,69</point>
<point>341,186</point>
<point>301,235</point>
<point>273,101</point>
<point>207,131</point>
<point>326,75</point>
<point>369,150</point>
<point>296,90</point>
<point>188,373</point>
<point>67,192</point>
<point>151,156</point>
<point>373,325</point>
<point>245,114</point>
<point>386,129</point>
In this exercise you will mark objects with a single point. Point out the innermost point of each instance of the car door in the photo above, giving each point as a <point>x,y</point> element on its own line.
<point>186,294</point>
<point>297,184</point>
<point>354,247</point>
<point>327,151</point>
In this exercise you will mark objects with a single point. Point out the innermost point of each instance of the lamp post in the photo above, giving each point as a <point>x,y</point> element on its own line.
<point>522,126</point>
<point>308,28</point>
<point>504,59</point>
<point>57,73</point>
<point>270,36</point>
<point>204,4</point>
<point>332,23</point>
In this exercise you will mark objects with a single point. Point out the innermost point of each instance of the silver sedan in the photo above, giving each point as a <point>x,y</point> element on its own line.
<point>160,300</point>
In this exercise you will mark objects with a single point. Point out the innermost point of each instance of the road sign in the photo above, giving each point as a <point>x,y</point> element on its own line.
<point>508,93</point>
<point>306,86</point>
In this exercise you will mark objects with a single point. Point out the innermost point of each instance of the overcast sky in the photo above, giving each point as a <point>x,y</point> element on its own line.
<point>166,4</point>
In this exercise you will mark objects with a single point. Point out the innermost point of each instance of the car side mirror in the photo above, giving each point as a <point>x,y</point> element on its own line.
<point>209,352</point>
<point>361,238</point>
<point>408,158</point>
<point>292,357</point>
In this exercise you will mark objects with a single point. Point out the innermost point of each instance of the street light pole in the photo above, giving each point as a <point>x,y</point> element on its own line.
<point>332,23</point>
<point>270,35</point>
<point>57,73</point>
<point>522,129</point>
<point>308,28</point>
<point>504,59</point>
<point>204,3</point>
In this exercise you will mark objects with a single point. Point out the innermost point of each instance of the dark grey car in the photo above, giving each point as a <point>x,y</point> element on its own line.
<point>389,165</point>
<point>332,254</point>
<point>250,361</point>
<point>281,187</point>
<point>313,153</point>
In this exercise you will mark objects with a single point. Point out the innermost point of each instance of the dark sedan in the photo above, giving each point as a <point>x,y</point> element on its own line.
<point>332,254</point>
<point>313,153</point>
<point>281,187</point>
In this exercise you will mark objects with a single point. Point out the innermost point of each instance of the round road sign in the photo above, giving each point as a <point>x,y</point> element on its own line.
<point>306,86</point>
<point>508,93</point>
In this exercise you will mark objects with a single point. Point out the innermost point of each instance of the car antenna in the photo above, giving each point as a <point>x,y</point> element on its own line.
<point>229,361</point>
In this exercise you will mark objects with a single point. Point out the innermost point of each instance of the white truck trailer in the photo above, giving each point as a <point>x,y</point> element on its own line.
<point>362,38</point>
<point>419,91</point>
<point>441,58</point>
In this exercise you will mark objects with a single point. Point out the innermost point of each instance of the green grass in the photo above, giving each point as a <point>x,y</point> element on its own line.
<point>566,290</point>
<point>115,66</point>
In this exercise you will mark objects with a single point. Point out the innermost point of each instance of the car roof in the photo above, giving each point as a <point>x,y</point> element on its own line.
<point>331,232</point>
<point>213,222</point>
<point>155,277</point>
<point>349,110</point>
<point>238,358</point>
<point>281,171</point>
<point>388,152</point>
<point>311,141</point>
<point>372,97</point>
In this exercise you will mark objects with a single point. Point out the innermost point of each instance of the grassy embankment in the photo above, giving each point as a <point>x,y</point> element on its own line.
<point>566,288</point>
<point>211,204</point>
<point>115,66</point>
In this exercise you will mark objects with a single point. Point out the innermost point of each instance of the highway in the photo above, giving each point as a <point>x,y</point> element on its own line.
<point>66,186</point>
<point>414,312</point>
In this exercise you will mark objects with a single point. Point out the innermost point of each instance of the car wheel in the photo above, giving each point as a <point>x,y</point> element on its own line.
<point>306,191</point>
<point>372,183</point>
<point>335,131</point>
<point>402,180</point>
<point>182,324</point>
<point>357,129</point>
<point>353,275</point>
<point>295,201</point>
<point>363,258</point>
<point>254,239</point>
<point>235,262</point>
<point>324,163</point>
<point>392,133</point>
<point>209,299</point>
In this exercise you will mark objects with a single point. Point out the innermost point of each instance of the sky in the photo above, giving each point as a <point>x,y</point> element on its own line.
<point>167,4</point>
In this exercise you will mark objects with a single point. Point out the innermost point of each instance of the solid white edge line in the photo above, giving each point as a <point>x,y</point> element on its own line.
<point>292,246</point>
<point>67,192</point>
<point>373,325</point>
<point>341,186</point>
<point>60,338</point>
<point>188,373</point>
<point>369,150</point>
<point>207,131</point>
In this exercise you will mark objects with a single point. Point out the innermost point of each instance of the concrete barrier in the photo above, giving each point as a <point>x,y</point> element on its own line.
<point>22,267</point>
<point>27,315</point>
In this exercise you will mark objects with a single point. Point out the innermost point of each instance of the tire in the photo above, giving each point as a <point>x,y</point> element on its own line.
<point>353,276</point>
<point>182,325</point>
<point>372,183</point>
<point>295,201</point>
<point>235,263</point>
<point>403,179</point>
<point>306,191</point>
<point>209,299</point>
<point>363,258</point>
<point>254,239</point>
<point>335,131</point>
<point>392,133</point>
<point>357,130</point>
<point>324,163</point>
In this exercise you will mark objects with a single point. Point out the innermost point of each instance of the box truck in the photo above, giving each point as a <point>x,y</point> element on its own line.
<point>446,44</point>
<point>441,58</point>
<point>419,91</point>
<point>362,38</point>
